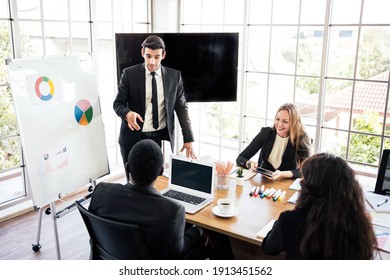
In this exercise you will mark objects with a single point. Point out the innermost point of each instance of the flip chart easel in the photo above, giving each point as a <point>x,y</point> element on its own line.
<point>60,124</point>
<point>56,215</point>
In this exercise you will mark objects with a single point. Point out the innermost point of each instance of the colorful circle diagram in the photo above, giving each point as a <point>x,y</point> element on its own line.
<point>44,88</point>
<point>83,112</point>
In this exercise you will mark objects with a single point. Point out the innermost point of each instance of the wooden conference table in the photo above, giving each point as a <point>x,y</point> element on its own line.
<point>254,212</point>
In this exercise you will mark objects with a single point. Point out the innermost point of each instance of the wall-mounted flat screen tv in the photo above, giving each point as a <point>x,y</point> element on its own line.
<point>208,61</point>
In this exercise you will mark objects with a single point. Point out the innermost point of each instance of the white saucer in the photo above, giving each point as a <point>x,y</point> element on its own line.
<point>233,213</point>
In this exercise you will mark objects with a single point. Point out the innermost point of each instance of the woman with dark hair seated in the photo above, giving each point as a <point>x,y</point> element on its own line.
<point>329,220</point>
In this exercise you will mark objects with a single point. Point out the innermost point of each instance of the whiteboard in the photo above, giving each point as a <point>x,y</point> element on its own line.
<point>60,123</point>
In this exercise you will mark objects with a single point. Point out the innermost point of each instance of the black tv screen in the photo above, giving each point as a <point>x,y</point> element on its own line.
<point>208,61</point>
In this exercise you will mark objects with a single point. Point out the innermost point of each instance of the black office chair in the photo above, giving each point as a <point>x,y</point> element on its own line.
<point>113,240</point>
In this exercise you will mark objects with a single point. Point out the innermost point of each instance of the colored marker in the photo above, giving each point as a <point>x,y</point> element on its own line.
<point>252,191</point>
<point>262,189</point>
<point>256,191</point>
<point>271,193</point>
<point>276,195</point>
<point>265,193</point>
<point>282,195</point>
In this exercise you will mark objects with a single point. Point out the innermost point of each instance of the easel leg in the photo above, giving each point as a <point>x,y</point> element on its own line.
<point>37,246</point>
<point>54,216</point>
<point>52,210</point>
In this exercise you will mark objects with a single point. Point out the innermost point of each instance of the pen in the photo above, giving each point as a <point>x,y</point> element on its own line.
<point>256,191</point>
<point>382,202</point>
<point>252,191</point>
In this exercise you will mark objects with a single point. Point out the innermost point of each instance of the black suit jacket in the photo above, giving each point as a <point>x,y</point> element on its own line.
<point>265,140</point>
<point>131,96</point>
<point>161,220</point>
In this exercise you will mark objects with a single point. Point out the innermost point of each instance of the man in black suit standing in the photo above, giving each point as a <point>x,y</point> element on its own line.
<point>161,220</point>
<point>148,116</point>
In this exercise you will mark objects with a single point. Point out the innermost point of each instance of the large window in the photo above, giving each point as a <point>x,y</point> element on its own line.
<point>36,28</point>
<point>11,172</point>
<point>334,65</point>
<point>330,57</point>
<point>357,82</point>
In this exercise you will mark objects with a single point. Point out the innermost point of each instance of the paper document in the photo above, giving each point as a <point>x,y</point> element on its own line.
<point>380,203</point>
<point>379,219</point>
<point>263,232</point>
<point>293,198</point>
<point>383,240</point>
<point>296,186</point>
<point>166,172</point>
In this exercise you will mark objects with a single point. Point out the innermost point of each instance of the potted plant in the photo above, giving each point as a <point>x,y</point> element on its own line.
<point>240,176</point>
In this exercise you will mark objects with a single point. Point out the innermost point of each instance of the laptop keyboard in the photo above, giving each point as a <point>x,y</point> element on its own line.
<point>184,197</point>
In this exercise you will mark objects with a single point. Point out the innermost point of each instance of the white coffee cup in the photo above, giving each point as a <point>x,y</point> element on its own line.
<point>225,205</point>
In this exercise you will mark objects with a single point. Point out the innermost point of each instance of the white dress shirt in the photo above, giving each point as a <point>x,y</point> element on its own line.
<point>148,121</point>
<point>275,157</point>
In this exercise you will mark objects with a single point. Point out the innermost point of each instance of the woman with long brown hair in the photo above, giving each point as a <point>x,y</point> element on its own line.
<point>329,220</point>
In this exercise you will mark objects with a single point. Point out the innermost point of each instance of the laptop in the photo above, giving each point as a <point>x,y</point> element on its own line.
<point>382,185</point>
<point>191,183</point>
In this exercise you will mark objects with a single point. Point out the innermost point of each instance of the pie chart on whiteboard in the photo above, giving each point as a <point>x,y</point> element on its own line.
<point>83,112</point>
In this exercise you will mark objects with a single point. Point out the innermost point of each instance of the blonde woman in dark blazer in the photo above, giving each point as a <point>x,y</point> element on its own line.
<point>282,147</point>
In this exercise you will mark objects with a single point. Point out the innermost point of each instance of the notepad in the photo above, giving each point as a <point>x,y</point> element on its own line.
<point>263,232</point>
<point>296,186</point>
<point>293,198</point>
<point>375,199</point>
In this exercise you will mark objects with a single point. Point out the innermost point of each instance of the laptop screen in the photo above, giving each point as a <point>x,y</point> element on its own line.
<point>191,174</point>
<point>383,179</point>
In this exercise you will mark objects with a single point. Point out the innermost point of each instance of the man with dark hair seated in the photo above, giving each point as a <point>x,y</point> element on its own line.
<point>161,220</point>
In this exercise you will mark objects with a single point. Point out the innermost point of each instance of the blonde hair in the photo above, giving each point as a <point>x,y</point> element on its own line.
<point>298,135</point>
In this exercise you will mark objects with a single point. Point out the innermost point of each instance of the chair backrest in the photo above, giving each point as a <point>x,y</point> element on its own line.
<point>127,172</point>
<point>113,240</point>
